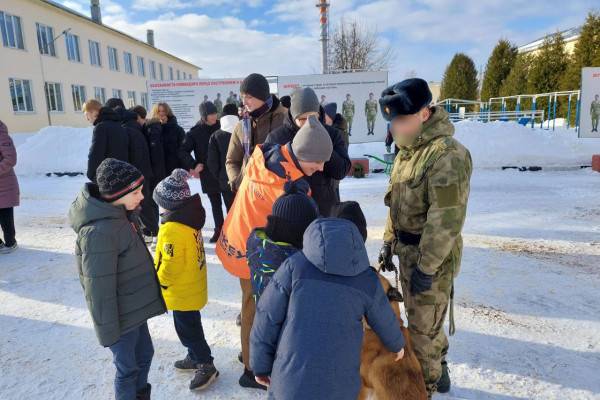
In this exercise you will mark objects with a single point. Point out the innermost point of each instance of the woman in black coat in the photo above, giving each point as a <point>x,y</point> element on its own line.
<point>164,126</point>
<point>196,140</point>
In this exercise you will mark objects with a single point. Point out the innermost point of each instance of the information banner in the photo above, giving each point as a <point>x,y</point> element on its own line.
<point>356,95</point>
<point>589,114</point>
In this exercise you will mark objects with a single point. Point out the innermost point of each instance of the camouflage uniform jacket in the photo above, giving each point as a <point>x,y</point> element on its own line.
<point>428,193</point>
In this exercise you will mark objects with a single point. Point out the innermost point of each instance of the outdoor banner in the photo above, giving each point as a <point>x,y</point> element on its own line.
<point>589,114</point>
<point>356,95</point>
<point>185,97</point>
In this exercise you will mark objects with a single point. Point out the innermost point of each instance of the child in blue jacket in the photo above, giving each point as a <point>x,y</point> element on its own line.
<point>307,334</point>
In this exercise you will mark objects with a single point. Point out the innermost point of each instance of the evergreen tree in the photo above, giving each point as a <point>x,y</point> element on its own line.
<point>460,79</point>
<point>585,54</point>
<point>516,81</point>
<point>498,68</point>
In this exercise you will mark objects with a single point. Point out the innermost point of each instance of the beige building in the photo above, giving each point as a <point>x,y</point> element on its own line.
<point>53,59</point>
<point>570,36</point>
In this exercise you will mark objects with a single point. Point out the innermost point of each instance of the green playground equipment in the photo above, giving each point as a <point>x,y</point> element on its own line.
<point>388,164</point>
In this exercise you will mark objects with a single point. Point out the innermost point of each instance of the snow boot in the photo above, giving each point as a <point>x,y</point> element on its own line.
<point>215,235</point>
<point>205,375</point>
<point>443,385</point>
<point>186,364</point>
<point>247,381</point>
<point>144,394</point>
<point>5,249</point>
<point>238,320</point>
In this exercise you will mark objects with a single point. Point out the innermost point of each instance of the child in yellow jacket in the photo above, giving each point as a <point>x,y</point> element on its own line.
<point>180,264</point>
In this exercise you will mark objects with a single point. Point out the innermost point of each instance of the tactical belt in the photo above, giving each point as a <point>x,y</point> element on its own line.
<point>407,238</point>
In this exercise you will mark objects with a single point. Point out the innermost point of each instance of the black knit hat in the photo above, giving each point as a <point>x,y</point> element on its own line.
<point>405,98</point>
<point>330,109</point>
<point>351,211</point>
<point>117,178</point>
<point>114,102</point>
<point>207,108</point>
<point>292,213</point>
<point>230,109</point>
<point>257,86</point>
<point>286,101</point>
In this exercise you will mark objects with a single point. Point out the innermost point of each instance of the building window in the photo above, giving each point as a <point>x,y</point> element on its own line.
<point>78,96</point>
<point>54,97</point>
<point>72,42</point>
<point>141,66</point>
<point>128,62</point>
<point>100,94</point>
<point>113,61</point>
<point>178,75</point>
<point>45,36</point>
<point>152,70</point>
<point>20,93</point>
<point>131,98</point>
<point>12,35</point>
<point>117,94</point>
<point>144,99</point>
<point>95,53</point>
<point>162,75</point>
<point>170,73</point>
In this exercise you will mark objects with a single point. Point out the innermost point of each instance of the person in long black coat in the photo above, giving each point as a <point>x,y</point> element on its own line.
<point>165,137</point>
<point>321,183</point>
<point>109,139</point>
<point>196,140</point>
<point>217,152</point>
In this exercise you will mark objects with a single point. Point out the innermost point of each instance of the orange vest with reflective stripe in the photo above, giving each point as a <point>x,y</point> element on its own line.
<point>253,203</point>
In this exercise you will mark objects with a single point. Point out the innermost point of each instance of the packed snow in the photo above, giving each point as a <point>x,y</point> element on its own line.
<point>492,145</point>
<point>527,308</point>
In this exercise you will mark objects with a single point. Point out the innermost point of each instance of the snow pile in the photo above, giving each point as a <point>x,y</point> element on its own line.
<point>492,145</point>
<point>55,149</point>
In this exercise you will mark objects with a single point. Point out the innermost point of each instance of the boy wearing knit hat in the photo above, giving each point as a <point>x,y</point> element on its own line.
<point>180,263</point>
<point>110,250</point>
<point>269,169</point>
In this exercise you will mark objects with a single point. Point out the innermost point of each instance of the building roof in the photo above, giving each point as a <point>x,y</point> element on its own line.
<point>88,19</point>
<point>568,35</point>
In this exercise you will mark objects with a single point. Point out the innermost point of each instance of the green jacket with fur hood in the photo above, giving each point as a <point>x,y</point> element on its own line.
<point>116,269</point>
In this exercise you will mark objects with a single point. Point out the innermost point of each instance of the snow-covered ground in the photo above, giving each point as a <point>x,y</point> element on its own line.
<point>527,298</point>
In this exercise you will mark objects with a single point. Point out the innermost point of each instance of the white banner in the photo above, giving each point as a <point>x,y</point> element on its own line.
<point>350,92</point>
<point>185,97</point>
<point>589,114</point>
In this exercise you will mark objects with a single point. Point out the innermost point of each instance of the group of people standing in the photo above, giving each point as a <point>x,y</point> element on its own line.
<point>296,248</point>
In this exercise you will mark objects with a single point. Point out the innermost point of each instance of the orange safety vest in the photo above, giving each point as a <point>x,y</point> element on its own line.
<point>253,203</point>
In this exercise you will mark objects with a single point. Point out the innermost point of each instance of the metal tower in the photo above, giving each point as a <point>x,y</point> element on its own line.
<point>323,7</point>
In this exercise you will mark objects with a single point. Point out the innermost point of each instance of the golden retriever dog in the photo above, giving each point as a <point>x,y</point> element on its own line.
<point>382,377</point>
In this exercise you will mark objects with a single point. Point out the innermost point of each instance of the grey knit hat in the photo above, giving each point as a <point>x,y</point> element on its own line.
<point>312,142</point>
<point>303,100</point>
<point>172,192</point>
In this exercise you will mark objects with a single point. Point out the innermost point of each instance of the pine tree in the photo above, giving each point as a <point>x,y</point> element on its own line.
<point>460,79</point>
<point>498,68</point>
<point>516,81</point>
<point>585,54</point>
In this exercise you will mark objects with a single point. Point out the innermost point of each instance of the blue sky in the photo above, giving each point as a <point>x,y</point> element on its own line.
<point>231,38</point>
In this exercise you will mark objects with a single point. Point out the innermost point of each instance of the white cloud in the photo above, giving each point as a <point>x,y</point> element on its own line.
<point>188,4</point>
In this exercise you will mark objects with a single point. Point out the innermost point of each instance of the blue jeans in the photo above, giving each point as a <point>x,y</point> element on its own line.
<point>188,326</point>
<point>132,356</point>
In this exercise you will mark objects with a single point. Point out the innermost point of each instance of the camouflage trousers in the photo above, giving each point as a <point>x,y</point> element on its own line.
<point>426,313</point>
<point>371,124</point>
<point>349,119</point>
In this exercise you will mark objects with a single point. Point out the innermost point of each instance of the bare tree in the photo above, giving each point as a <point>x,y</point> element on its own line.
<point>354,46</point>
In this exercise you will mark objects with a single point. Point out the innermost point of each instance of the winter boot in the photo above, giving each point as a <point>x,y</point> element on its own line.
<point>205,375</point>
<point>186,364</point>
<point>6,249</point>
<point>215,235</point>
<point>144,394</point>
<point>247,381</point>
<point>443,385</point>
<point>238,320</point>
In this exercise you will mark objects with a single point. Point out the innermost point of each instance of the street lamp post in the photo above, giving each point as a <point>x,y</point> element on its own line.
<point>44,78</point>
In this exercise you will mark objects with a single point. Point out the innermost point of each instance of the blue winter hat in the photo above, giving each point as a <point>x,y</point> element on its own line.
<point>172,192</point>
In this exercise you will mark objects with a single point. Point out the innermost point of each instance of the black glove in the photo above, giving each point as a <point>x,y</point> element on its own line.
<point>420,281</point>
<point>385,258</point>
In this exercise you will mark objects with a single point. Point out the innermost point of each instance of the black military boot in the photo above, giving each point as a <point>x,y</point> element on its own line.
<point>144,394</point>
<point>247,380</point>
<point>205,375</point>
<point>186,364</point>
<point>443,385</point>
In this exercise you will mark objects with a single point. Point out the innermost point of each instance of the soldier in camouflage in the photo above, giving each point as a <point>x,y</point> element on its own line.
<point>595,113</point>
<point>219,104</point>
<point>348,112</point>
<point>427,200</point>
<point>231,99</point>
<point>371,114</point>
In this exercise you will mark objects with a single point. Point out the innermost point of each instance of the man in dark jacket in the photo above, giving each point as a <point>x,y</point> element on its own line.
<point>109,139</point>
<point>196,140</point>
<point>117,272</point>
<point>307,334</point>
<point>304,104</point>
<point>217,152</point>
